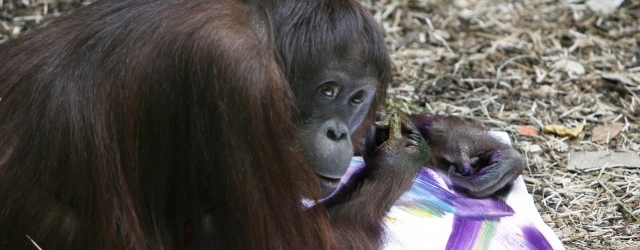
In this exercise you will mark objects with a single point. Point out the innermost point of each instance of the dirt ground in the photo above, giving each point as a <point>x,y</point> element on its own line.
<point>518,66</point>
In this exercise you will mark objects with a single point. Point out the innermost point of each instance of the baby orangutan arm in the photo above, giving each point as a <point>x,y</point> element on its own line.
<point>393,153</point>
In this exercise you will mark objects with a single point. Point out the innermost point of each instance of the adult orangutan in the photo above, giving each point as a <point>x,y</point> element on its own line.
<point>203,124</point>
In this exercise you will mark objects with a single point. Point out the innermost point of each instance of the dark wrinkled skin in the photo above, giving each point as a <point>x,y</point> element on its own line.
<point>332,102</point>
<point>393,153</point>
<point>476,162</point>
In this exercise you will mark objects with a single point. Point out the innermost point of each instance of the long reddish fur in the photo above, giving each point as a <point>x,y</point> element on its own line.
<point>113,117</point>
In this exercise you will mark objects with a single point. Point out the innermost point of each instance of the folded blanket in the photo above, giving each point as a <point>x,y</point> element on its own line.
<point>433,216</point>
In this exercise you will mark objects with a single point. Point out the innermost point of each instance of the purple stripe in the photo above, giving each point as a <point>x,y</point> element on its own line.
<point>535,239</point>
<point>464,233</point>
<point>426,193</point>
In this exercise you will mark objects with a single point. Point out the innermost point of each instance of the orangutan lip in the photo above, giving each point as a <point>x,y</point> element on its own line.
<point>328,180</point>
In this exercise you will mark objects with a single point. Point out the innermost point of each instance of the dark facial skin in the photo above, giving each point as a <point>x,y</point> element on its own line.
<point>332,102</point>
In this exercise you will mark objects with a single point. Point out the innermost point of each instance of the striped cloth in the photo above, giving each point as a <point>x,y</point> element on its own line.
<point>433,216</point>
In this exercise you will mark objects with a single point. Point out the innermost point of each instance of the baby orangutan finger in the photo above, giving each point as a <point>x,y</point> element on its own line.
<point>414,140</point>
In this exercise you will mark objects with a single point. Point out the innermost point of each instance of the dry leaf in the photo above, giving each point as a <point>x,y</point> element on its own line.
<point>528,131</point>
<point>561,130</point>
<point>569,66</point>
<point>604,7</point>
<point>593,160</point>
<point>604,133</point>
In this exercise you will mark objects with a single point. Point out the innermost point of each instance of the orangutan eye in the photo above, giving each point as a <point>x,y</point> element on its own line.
<point>329,89</point>
<point>357,98</point>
